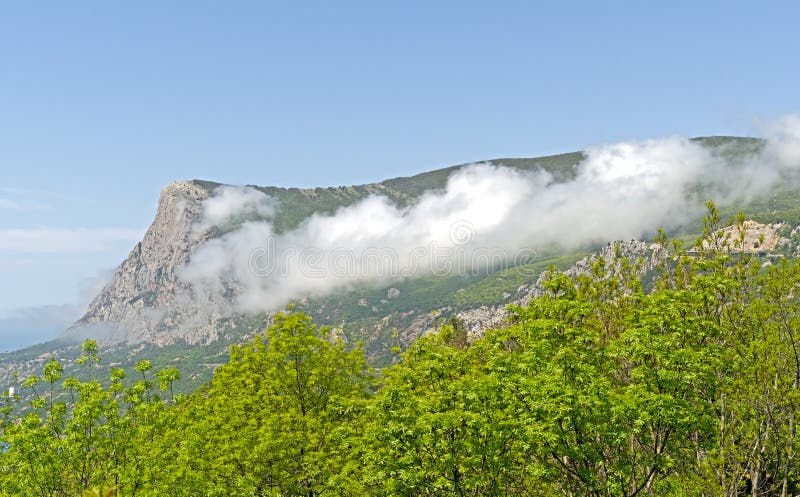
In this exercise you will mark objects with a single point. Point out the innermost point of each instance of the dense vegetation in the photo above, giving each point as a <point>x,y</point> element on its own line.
<point>600,387</point>
<point>377,321</point>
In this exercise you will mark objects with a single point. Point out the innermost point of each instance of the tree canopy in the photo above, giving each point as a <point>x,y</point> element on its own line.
<point>612,383</point>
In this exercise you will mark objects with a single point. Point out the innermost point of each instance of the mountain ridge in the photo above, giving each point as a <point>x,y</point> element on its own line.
<point>147,305</point>
<point>149,276</point>
<point>141,299</point>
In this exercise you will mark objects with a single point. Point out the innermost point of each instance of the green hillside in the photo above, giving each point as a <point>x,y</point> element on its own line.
<point>597,387</point>
<point>365,314</point>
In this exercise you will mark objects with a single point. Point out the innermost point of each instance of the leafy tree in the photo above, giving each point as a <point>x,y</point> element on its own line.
<point>681,381</point>
<point>76,438</point>
<point>269,422</point>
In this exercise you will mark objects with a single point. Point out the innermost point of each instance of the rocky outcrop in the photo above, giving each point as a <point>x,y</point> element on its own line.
<point>479,319</point>
<point>749,237</point>
<point>147,301</point>
<point>647,255</point>
<point>142,301</point>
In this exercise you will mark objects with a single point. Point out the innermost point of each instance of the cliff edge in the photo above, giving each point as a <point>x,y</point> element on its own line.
<point>141,302</point>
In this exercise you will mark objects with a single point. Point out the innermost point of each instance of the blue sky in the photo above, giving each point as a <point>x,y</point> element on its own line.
<point>103,103</point>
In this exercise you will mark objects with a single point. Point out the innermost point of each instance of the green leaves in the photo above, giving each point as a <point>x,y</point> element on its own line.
<point>52,371</point>
<point>597,387</point>
<point>274,420</point>
<point>143,366</point>
<point>77,436</point>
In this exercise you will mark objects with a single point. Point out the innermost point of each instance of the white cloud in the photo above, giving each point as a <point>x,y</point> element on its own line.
<point>23,205</point>
<point>29,325</point>
<point>7,203</point>
<point>65,240</point>
<point>783,140</point>
<point>620,191</point>
<point>231,202</point>
<point>17,200</point>
<point>40,194</point>
<point>26,199</point>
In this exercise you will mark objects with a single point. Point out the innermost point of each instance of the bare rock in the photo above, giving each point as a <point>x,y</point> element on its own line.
<point>143,300</point>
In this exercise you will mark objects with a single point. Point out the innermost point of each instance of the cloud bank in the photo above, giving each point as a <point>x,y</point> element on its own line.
<point>28,325</point>
<point>783,141</point>
<point>484,213</point>
<point>230,203</point>
<point>24,326</point>
<point>65,240</point>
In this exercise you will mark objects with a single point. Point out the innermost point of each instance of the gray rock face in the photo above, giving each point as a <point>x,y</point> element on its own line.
<point>147,301</point>
<point>480,319</point>
<point>142,301</point>
<point>649,255</point>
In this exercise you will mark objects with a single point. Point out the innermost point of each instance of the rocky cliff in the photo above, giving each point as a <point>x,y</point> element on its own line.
<point>142,302</point>
<point>147,301</point>
<point>477,320</point>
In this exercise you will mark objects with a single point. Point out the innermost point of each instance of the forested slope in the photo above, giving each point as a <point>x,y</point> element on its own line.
<point>601,386</point>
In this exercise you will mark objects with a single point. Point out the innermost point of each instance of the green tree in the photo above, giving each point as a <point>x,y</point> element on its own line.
<point>77,437</point>
<point>269,422</point>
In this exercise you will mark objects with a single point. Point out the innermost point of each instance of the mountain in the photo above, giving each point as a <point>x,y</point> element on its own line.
<point>142,302</point>
<point>148,278</point>
<point>149,309</point>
